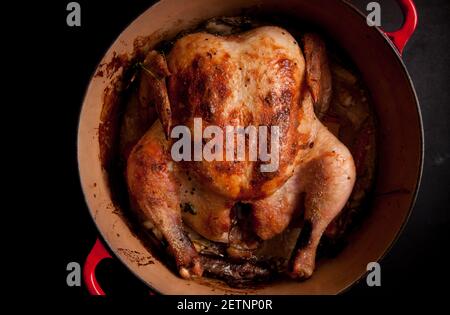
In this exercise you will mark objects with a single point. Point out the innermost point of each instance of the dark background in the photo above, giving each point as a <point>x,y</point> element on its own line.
<point>416,264</point>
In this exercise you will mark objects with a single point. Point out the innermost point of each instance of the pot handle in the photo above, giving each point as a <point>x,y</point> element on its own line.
<point>96,255</point>
<point>401,36</point>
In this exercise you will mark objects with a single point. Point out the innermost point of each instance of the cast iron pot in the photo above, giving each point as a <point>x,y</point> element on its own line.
<point>400,148</point>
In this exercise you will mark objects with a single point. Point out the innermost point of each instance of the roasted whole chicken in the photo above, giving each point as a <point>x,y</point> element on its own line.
<point>261,77</point>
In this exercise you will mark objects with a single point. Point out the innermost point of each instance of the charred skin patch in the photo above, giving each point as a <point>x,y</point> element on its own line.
<point>201,89</point>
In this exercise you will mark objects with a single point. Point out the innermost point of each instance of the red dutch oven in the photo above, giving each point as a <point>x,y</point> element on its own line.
<point>400,149</point>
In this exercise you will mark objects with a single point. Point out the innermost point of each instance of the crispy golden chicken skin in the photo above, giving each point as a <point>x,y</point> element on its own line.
<point>257,78</point>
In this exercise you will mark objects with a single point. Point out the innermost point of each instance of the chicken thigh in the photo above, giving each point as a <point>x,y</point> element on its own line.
<point>257,78</point>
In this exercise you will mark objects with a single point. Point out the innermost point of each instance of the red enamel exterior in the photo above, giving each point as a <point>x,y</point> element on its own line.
<point>401,36</point>
<point>96,255</point>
